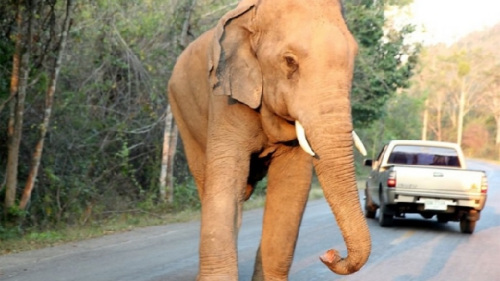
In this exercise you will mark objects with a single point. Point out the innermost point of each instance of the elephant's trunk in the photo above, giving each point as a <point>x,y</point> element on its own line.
<point>332,141</point>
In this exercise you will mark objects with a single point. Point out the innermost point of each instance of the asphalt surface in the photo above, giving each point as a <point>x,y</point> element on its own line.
<point>414,249</point>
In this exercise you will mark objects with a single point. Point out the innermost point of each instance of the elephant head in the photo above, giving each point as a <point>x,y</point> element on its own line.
<point>292,61</point>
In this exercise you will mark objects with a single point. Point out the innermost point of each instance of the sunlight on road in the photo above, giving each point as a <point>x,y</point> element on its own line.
<point>405,236</point>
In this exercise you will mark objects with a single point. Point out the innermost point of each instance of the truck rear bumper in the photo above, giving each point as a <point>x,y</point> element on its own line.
<point>437,201</point>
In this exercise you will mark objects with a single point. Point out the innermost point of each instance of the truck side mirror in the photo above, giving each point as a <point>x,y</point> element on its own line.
<point>368,162</point>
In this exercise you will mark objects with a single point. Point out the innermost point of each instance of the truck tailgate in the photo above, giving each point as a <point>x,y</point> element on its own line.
<point>438,179</point>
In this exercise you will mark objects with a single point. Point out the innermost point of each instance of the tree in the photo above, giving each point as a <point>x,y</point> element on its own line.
<point>171,132</point>
<point>384,66</point>
<point>168,153</point>
<point>9,63</point>
<point>433,91</point>
<point>385,62</point>
<point>49,100</point>
<point>19,83</point>
<point>101,138</point>
<point>453,81</point>
<point>491,100</point>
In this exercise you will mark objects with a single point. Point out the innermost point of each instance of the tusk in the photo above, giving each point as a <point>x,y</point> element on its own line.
<point>358,143</point>
<point>301,136</point>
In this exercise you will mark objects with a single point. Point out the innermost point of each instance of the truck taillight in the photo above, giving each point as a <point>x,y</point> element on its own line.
<point>484,184</point>
<point>391,179</point>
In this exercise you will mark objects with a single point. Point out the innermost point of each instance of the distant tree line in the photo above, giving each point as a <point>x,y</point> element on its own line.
<point>459,86</point>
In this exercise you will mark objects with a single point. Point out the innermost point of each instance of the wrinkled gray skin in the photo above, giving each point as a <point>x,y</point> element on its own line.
<point>236,94</point>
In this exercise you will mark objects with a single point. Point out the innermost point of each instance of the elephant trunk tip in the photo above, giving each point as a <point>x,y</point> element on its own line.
<point>337,264</point>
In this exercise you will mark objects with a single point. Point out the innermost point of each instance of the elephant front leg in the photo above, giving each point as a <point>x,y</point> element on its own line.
<point>221,201</point>
<point>289,181</point>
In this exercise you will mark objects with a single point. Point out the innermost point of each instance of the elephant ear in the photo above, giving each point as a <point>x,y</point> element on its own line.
<point>234,68</point>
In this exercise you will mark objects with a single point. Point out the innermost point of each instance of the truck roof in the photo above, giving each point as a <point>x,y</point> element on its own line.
<point>392,145</point>
<point>425,143</point>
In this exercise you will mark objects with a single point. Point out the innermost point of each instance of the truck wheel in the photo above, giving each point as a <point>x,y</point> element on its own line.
<point>370,208</point>
<point>384,219</point>
<point>467,226</point>
<point>427,216</point>
<point>442,218</point>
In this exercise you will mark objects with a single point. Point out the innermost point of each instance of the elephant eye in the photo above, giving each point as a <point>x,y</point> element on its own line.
<point>290,61</point>
<point>292,65</point>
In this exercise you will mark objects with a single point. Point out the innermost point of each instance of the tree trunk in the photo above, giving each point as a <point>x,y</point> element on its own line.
<point>49,100</point>
<point>171,156</point>
<point>497,138</point>
<point>166,173</point>
<point>19,82</point>
<point>439,117</point>
<point>170,133</point>
<point>461,112</point>
<point>183,41</point>
<point>426,119</point>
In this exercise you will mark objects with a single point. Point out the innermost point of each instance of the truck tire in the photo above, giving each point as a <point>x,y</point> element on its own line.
<point>467,226</point>
<point>385,218</point>
<point>427,216</point>
<point>442,218</point>
<point>370,208</point>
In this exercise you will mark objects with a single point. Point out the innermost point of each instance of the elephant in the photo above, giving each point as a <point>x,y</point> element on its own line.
<point>266,92</point>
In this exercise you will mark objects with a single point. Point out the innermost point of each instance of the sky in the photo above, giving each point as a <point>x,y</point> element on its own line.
<point>446,21</point>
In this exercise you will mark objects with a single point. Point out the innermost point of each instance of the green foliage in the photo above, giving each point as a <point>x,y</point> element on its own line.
<point>401,120</point>
<point>102,152</point>
<point>260,188</point>
<point>6,51</point>
<point>186,196</point>
<point>47,235</point>
<point>399,2</point>
<point>385,62</point>
<point>9,232</point>
<point>7,19</point>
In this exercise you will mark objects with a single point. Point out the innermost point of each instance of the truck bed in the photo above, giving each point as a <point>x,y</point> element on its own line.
<point>439,181</point>
<point>437,187</point>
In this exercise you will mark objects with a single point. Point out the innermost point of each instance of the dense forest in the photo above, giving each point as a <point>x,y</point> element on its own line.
<point>85,127</point>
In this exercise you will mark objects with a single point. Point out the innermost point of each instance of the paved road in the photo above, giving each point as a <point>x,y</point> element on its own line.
<point>414,249</point>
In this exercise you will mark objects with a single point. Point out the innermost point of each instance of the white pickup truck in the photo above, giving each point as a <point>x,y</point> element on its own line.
<point>425,177</point>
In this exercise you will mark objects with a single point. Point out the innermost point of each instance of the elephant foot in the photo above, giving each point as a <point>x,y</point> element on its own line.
<point>217,278</point>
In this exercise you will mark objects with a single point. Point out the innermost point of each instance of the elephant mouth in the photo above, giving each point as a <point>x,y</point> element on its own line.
<point>304,144</point>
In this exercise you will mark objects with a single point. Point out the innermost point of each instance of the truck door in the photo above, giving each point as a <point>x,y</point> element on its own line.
<point>373,180</point>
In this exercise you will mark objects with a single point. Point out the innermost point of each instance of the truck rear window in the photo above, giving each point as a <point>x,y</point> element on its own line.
<point>424,155</point>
